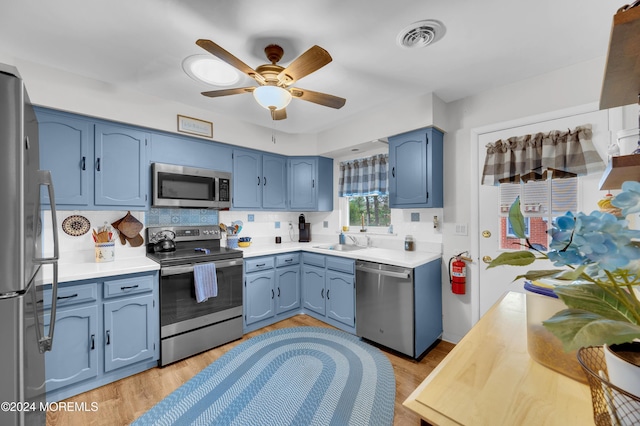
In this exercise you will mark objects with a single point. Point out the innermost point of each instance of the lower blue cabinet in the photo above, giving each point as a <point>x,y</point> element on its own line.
<point>313,288</point>
<point>102,333</point>
<point>340,297</point>
<point>74,355</point>
<point>259,303</point>
<point>128,331</point>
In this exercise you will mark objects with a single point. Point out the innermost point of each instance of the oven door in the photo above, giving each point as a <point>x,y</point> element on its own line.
<point>179,310</point>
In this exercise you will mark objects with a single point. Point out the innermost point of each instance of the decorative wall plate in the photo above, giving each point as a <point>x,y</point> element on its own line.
<point>76,225</point>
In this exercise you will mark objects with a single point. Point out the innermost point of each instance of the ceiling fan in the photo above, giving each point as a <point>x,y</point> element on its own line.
<point>274,91</point>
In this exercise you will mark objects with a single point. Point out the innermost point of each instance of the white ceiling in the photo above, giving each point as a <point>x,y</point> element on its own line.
<point>140,45</point>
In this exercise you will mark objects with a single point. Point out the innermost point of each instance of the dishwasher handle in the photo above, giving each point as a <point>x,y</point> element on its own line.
<point>403,275</point>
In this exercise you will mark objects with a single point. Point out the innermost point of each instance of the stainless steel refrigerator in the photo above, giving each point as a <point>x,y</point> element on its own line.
<point>23,342</point>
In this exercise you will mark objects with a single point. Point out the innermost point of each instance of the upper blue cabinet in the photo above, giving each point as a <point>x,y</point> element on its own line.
<point>93,165</point>
<point>415,169</point>
<point>259,180</point>
<point>310,184</point>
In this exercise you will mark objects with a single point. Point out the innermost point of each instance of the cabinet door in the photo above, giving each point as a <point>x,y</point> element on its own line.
<point>287,288</point>
<point>408,177</point>
<point>313,288</point>
<point>341,297</point>
<point>74,355</point>
<point>260,295</point>
<point>65,150</point>
<point>274,182</point>
<point>302,184</point>
<point>247,179</point>
<point>128,331</point>
<point>120,166</point>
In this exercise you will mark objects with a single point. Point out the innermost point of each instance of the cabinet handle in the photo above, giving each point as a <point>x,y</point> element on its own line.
<point>264,180</point>
<point>278,291</point>
<point>327,294</point>
<point>129,287</point>
<point>84,163</point>
<point>258,180</point>
<point>322,293</point>
<point>93,341</point>
<point>98,164</point>
<point>272,294</point>
<point>313,183</point>
<point>288,260</point>
<point>393,171</point>
<point>108,337</point>
<point>67,297</point>
<point>260,265</point>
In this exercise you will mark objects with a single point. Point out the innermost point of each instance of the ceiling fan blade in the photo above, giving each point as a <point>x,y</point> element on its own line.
<point>311,60</point>
<point>318,98</point>
<point>229,58</point>
<point>279,114</point>
<point>227,92</point>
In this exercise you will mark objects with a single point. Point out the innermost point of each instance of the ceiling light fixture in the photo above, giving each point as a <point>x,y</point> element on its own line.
<point>207,69</point>
<point>272,97</point>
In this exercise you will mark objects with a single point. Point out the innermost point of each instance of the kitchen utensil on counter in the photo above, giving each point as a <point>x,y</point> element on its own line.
<point>164,241</point>
<point>244,241</point>
<point>237,225</point>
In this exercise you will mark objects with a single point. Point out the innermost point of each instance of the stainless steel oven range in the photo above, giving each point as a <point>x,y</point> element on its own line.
<point>186,326</point>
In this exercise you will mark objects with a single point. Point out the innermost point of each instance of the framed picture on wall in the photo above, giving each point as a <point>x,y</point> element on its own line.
<point>195,126</point>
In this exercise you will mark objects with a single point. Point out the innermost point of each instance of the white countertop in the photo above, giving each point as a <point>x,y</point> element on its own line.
<point>88,269</point>
<point>408,259</point>
<point>83,267</point>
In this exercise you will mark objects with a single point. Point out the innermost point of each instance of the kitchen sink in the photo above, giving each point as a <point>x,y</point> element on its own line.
<point>340,247</point>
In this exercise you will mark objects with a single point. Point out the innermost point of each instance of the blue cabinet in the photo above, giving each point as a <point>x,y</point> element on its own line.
<point>120,166</point>
<point>94,165</point>
<point>65,150</point>
<point>415,169</point>
<point>105,330</point>
<point>310,184</point>
<point>271,289</point>
<point>329,289</point>
<point>259,180</point>
<point>190,151</point>
<point>128,331</point>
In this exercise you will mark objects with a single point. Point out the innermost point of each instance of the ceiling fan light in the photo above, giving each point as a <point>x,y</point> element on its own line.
<point>272,97</point>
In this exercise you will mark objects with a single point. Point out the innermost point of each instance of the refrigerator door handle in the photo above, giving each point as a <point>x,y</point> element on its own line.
<point>45,342</point>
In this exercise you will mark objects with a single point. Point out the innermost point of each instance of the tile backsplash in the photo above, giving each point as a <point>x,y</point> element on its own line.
<point>181,217</point>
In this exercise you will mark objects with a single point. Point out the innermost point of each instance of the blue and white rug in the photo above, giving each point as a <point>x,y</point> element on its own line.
<point>292,376</point>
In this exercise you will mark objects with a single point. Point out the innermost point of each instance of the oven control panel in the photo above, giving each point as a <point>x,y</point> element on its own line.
<point>184,233</point>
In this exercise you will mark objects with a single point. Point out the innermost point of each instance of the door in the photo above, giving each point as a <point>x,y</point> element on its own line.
<point>494,282</point>
<point>74,356</point>
<point>408,161</point>
<point>247,179</point>
<point>313,288</point>
<point>120,171</point>
<point>288,288</point>
<point>274,182</point>
<point>260,296</point>
<point>302,184</point>
<point>128,331</point>
<point>341,297</point>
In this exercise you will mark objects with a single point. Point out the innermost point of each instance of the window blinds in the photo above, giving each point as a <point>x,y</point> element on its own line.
<point>552,197</point>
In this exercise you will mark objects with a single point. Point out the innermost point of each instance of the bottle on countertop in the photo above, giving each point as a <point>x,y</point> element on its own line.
<point>342,239</point>
<point>409,244</point>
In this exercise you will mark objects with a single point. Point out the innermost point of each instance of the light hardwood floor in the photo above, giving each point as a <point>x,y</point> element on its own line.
<point>122,402</point>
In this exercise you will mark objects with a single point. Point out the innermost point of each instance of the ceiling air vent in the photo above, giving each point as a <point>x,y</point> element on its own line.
<point>421,34</point>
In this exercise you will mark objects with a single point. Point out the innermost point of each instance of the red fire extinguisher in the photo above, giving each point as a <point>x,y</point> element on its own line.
<point>458,273</point>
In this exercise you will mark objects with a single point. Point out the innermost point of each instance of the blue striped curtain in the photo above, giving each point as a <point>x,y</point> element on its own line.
<point>364,176</point>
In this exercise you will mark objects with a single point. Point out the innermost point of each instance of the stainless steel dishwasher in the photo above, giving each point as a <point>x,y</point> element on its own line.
<point>385,305</point>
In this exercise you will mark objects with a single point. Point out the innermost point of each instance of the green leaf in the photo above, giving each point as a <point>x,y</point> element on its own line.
<point>517,219</point>
<point>577,328</point>
<point>514,258</point>
<point>592,298</point>
<point>536,275</point>
<point>573,274</point>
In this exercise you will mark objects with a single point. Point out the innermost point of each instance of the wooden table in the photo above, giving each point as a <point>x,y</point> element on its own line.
<point>489,379</point>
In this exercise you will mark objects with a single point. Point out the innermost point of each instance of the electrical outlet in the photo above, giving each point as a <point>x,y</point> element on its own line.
<point>290,225</point>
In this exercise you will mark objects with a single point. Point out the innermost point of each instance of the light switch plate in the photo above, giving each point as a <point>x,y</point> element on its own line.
<point>277,225</point>
<point>325,224</point>
<point>415,217</point>
<point>250,218</point>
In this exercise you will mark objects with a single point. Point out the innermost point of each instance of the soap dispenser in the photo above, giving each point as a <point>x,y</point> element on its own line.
<point>342,239</point>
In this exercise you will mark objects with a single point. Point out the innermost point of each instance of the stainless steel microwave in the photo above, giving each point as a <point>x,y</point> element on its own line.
<point>180,186</point>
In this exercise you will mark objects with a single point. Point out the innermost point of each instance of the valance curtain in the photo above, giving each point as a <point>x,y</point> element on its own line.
<point>568,153</point>
<point>364,176</point>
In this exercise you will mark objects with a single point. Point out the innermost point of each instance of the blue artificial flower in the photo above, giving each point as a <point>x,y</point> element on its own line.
<point>629,199</point>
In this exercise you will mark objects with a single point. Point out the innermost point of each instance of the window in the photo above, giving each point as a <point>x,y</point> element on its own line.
<point>373,208</point>
<point>540,202</point>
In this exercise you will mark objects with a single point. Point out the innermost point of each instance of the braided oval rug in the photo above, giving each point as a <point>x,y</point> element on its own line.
<point>291,376</point>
